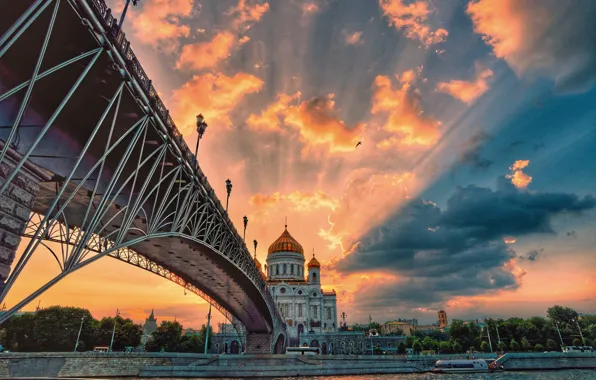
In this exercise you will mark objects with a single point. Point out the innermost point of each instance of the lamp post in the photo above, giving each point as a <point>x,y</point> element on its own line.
<point>229,190</point>
<point>134,2</point>
<point>580,331</point>
<point>201,128</point>
<point>207,330</point>
<point>114,329</point>
<point>79,336</point>
<point>245,224</point>
<point>255,243</point>
<point>488,333</point>
<point>559,332</point>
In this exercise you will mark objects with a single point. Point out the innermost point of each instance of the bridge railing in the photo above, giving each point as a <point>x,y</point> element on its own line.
<point>118,39</point>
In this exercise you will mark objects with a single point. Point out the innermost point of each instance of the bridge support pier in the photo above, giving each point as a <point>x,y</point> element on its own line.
<point>15,206</point>
<point>258,343</point>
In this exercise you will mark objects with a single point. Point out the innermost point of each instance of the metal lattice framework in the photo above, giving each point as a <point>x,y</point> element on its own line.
<point>129,183</point>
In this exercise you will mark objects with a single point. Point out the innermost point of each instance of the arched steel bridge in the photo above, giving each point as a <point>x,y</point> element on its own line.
<point>88,146</point>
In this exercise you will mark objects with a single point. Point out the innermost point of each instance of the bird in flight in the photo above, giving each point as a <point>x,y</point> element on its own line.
<point>359,143</point>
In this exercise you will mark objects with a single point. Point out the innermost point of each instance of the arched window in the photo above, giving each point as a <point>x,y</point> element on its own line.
<point>284,269</point>
<point>277,269</point>
<point>292,269</point>
<point>314,277</point>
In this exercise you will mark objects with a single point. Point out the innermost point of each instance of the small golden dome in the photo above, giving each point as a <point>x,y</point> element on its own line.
<point>286,243</point>
<point>314,263</point>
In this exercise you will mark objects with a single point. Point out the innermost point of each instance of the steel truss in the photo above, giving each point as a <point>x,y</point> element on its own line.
<point>143,183</point>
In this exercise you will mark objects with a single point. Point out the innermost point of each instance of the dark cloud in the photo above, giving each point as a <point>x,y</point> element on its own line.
<point>437,254</point>
<point>532,255</point>
<point>471,155</point>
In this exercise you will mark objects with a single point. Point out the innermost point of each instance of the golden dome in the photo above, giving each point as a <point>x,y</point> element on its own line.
<point>314,263</point>
<point>286,243</point>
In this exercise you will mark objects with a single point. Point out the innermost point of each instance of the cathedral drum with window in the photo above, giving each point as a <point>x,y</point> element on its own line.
<point>297,291</point>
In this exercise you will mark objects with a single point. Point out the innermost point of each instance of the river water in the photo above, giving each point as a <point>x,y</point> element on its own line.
<point>533,375</point>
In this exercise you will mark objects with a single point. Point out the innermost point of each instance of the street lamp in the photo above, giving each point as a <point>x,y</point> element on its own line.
<point>245,223</point>
<point>229,190</point>
<point>580,331</point>
<point>114,329</point>
<point>201,128</point>
<point>207,329</point>
<point>134,2</point>
<point>255,243</point>
<point>559,332</point>
<point>79,336</point>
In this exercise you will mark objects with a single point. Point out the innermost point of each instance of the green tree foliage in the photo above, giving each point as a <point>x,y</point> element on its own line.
<point>401,349</point>
<point>525,344</point>
<point>484,346</point>
<point>562,314</point>
<point>502,346</point>
<point>445,347</point>
<point>55,329</point>
<point>417,346</point>
<point>539,348</point>
<point>167,337</point>
<point>513,345</point>
<point>577,342</point>
<point>457,348</point>
<point>551,344</point>
<point>128,334</point>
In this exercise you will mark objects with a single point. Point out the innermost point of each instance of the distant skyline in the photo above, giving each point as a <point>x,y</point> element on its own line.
<point>473,188</point>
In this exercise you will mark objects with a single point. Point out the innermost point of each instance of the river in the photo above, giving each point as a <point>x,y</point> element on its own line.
<point>533,375</point>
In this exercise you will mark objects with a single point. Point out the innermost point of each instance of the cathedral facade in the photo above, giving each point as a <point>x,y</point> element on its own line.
<point>296,289</point>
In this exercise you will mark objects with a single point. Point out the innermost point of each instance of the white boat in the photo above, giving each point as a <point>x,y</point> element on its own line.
<point>461,366</point>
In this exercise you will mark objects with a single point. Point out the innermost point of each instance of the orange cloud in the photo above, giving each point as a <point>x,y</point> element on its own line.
<point>518,178</point>
<point>207,54</point>
<point>158,22</point>
<point>270,119</point>
<point>405,116</point>
<point>353,38</point>
<point>536,35</point>
<point>467,91</point>
<point>309,8</point>
<point>509,239</point>
<point>297,200</point>
<point>315,119</point>
<point>412,18</point>
<point>318,123</point>
<point>367,201</point>
<point>213,95</point>
<point>245,14</point>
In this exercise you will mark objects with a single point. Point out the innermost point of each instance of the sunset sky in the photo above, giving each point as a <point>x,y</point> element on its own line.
<point>472,190</point>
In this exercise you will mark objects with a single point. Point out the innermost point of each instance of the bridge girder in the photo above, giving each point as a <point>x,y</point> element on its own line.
<point>125,183</point>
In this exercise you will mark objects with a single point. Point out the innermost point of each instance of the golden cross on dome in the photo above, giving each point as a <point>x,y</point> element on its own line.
<point>286,222</point>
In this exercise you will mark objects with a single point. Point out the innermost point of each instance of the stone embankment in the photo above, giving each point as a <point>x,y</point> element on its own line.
<point>92,364</point>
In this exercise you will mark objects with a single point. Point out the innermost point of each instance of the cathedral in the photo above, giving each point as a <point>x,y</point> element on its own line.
<point>310,313</point>
<point>296,289</point>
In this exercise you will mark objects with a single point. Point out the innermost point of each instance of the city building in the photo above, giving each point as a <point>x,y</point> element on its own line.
<point>443,322</point>
<point>309,311</point>
<point>149,327</point>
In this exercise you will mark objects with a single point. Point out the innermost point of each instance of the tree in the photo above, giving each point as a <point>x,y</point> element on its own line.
<point>577,342</point>
<point>513,345</point>
<point>417,346</point>
<point>562,314</point>
<point>401,349</point>
<point>429,343</point>
<point>445,347</point>
<point>127,333</point>
<point>456,347</point>
<point>551,345</point>
<point>484,346</point>
<point>525,344</point>
<point>538,347</point>
<point>502,346</point>
<point>167,336</point>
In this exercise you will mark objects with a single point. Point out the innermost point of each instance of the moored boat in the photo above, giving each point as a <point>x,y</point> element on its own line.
<point>461,366</point>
